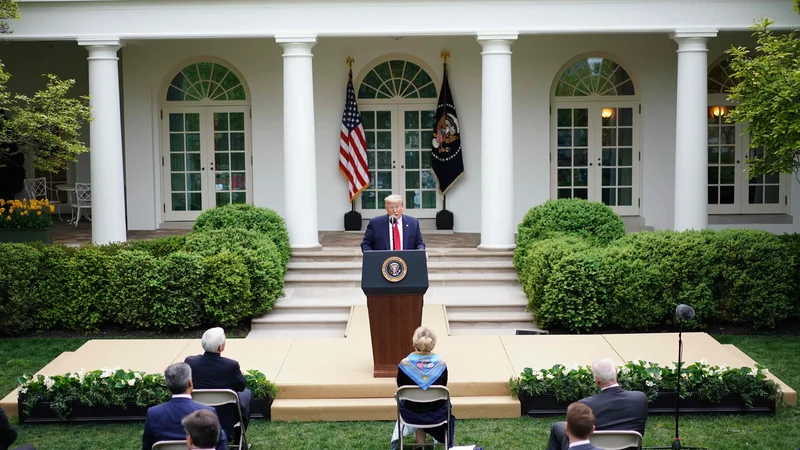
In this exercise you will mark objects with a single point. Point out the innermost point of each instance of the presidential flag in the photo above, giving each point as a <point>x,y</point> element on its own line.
<point>353,145</point>
<point>446,159</point>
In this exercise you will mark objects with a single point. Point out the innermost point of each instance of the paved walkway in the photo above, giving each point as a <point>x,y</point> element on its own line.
<point>64,233</point>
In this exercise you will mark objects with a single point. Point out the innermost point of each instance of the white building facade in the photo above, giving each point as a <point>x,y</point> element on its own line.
<point>198,104</point>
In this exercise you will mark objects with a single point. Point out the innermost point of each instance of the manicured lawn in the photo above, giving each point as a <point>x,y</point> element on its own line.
<point>781,432</point>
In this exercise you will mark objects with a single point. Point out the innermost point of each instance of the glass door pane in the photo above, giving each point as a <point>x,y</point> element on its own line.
<point>229,160</point>
<point>615,160</point>
<point>183,165</point>
<point>764,193</point>
<point>381,159</point>
<point>722,163</point>
<point>572,153</point>
<point>419,188</point>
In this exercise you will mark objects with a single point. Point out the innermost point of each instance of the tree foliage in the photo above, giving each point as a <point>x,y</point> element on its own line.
<point>45,126</point>
<point>766,92</point>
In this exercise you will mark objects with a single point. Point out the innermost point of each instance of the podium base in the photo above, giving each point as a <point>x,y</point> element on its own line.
<point>392,321</point>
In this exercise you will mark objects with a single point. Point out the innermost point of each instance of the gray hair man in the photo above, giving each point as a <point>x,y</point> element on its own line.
<point>614,408</point>
<point>163,421</point>
<point>213,371</point>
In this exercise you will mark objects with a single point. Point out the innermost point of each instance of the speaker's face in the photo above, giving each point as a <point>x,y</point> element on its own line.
<point>395,208</point>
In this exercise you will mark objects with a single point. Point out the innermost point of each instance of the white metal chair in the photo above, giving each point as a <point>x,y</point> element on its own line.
<point>36,188</point>
<point>170,445</point>
<point>219,397</point>
<point>616,439</point>
<point>418,395</point>
<point>83,200</point>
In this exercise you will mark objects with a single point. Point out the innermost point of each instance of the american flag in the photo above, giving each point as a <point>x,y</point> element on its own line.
<point>353,145</point>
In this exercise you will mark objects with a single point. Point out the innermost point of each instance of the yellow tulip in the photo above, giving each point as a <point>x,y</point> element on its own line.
<point>52,208</point>
<point>38,213</point>
<point>8,218</point>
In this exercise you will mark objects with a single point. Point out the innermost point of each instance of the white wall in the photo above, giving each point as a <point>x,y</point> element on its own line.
<point>650,59</point>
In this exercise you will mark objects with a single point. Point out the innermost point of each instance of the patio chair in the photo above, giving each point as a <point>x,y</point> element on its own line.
<point>36,188</point>
<point>83,200</point>
<point>221,397</point>
<point>417,394</point>
<point>616,439</point>
<point>170,445</point>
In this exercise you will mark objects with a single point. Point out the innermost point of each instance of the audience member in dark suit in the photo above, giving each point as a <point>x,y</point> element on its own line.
<point>424,368</point>
<point>202,429</point>
<point>580,424</point>
<point>8,434</point>
<point>164,420</point>
<point>614,408</point>
<point>212,371</point>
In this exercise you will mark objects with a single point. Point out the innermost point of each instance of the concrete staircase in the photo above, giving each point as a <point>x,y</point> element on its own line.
<point>480,290</point>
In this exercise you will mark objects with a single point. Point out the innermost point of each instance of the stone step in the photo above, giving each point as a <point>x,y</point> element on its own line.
<point>434,279</point>
<point>489,316</point>
<point>492,329</point>
<point>368,409</point>
<point>340,254</point>
<point>309,317</point>
<point>354,267</point>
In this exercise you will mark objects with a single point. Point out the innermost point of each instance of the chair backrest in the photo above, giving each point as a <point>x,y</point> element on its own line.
<point>171,445</point>
<point>417,394</point>
<point>616,439</point>
<point>215,397</point>
<point>83,192</point>
<point>35,187</point>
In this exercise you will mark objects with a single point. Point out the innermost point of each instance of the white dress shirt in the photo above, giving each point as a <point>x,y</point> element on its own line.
<point>391,233</point>
<point>577,443</point>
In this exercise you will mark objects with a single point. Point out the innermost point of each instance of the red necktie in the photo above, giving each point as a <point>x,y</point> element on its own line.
<point>396,237</point>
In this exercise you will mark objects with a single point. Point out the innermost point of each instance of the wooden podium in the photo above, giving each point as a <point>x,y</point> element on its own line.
<point>394,283</point>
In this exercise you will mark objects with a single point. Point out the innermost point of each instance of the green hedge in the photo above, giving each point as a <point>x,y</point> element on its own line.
<point>211,277</point>
<point>743,277</point>
<point>593,221</point>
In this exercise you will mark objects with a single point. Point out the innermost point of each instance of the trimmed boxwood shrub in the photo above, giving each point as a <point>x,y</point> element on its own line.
<point>591,220</point>
<point>745,277</point>
<point>248,217</point>
<point>210,277</point>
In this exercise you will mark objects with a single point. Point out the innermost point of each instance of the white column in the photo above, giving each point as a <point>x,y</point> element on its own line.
<point>497,143</point>
<point>691,133</point>
<point>299,144</point>
<point>105,141</point>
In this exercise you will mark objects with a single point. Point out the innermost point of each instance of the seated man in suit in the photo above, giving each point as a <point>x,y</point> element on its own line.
<point>202,429</point>
<point>211,371</point>
<point>614,408</point>
<point>164,420</point>
<point>8,434</point>
<point>394,231</point>
<point>580,424</point>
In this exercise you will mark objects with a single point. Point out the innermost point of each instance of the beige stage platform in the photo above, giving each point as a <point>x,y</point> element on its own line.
<point>331,379</point>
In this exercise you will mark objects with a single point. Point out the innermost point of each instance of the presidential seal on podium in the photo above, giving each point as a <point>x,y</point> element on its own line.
<point>394,269</point>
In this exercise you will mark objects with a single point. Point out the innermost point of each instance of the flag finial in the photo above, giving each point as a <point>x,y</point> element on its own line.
<point>349,61</point>
<point>445,55</point>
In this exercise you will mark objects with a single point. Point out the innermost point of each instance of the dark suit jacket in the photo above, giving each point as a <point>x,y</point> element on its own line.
<point>213,371</point>
<point>377,235</point>
<point>7,432</point>
<point>618,409</point>
<point>164,422</point>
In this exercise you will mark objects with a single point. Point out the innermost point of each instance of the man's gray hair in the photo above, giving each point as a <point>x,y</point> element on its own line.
<point>605,371</point>
<point>212,339</point>
<point>177,377</point>
<point>394,198</point>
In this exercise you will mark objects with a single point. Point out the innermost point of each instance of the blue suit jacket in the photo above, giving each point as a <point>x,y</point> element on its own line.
<point>164,422</point>
<point>377,235</point>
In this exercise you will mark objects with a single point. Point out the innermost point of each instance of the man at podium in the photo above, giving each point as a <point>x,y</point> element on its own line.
<point>393,231</point>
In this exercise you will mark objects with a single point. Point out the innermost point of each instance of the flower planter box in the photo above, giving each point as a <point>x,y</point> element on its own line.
<point>26,235</point>
<point>81,412</point>
<point>547,405</point>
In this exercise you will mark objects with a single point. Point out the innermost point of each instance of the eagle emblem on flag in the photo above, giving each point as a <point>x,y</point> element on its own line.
<point>446,132</point>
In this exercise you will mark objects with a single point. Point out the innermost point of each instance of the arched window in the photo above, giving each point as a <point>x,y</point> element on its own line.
<point>397,79</point>
<point>205,81</point>
<point>719,77</point>
<point>594,76</point>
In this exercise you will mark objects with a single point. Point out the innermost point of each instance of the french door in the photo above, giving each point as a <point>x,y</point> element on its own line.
<point>398,153</point>
<point>596,154</point>
<point>206,159</point>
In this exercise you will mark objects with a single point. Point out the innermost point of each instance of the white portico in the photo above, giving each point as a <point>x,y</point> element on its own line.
<point>239,101</point>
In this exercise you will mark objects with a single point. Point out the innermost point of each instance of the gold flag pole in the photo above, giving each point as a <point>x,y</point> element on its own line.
<point>349,61</point>
<point>445,55</point>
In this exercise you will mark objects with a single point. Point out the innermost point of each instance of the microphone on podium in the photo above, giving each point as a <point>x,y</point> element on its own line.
<point>392,220</point>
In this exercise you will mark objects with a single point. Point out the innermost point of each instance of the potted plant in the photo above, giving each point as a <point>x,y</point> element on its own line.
<point>26,221</point>
<point>704,388</point>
